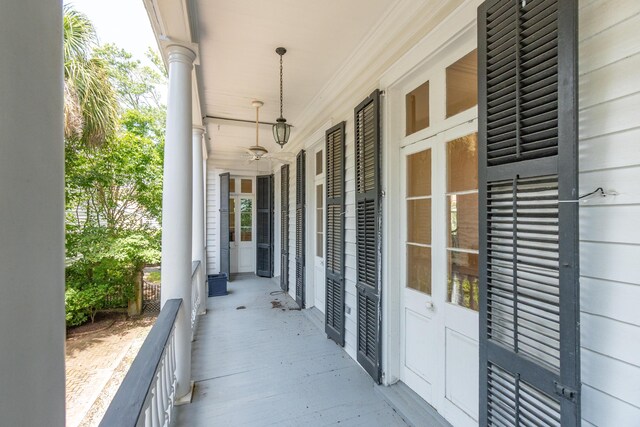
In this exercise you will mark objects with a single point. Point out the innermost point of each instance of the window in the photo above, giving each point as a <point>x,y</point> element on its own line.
<point>232,218</point>
<point>462,213</point>
<point>419,221</point>
<point>319,165</point>
<point>246,221</point>
<point>232,185</point>
<point>462,84</point>
<point>417,109</point>
<point>246,186</point>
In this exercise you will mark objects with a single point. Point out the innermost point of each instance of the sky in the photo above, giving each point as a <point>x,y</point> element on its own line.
<point>124,23</point>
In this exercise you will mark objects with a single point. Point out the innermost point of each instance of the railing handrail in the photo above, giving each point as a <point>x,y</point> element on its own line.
<point>128,403</point>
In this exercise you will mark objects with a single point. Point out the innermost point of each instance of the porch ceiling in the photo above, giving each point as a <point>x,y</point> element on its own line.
<point>237,41</point>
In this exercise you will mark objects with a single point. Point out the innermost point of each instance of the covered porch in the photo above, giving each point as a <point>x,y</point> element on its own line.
<point>369,83</point>
<point>259,360</point>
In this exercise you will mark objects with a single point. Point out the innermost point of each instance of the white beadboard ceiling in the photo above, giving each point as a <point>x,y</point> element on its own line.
<point>237,42</point>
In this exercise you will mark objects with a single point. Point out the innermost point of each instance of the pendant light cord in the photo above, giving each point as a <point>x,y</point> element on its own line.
<point>280,86</point>
<point>257,123</point>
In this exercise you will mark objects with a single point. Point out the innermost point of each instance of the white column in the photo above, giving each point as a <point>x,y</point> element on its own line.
<point>197,240</point>
<point>177,206</point>
<point>32,329</point>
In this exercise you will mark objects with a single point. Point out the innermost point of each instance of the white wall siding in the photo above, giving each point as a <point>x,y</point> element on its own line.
<point>609,232</point>
<point>213,215</point>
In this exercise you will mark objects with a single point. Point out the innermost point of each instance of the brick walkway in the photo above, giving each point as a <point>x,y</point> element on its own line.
<point>96,363</point>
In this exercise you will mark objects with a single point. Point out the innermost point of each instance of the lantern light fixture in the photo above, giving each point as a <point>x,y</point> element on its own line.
<point>281,130</point>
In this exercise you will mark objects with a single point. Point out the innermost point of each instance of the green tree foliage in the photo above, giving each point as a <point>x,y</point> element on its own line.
<point>113,176</point>
<point>91,105</point>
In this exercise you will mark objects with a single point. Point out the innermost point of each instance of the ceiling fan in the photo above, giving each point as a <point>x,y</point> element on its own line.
<point>258,152</point>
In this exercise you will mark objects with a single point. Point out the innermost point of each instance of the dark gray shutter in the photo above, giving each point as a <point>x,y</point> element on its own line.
<point>334,317</point>
<point>284,227</point>
<point>300,227</point>
<point>264,226</point>
<point>529,311</point>
<point>368,228</point>
<point>225,253</point>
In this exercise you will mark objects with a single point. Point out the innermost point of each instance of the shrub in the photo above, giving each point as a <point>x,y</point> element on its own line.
<point>104,269</point>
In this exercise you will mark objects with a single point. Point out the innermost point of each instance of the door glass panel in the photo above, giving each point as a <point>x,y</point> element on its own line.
<point>462,164</point>
<point>462,223</point>
<point>232,185</point>
<point>417,109</point>
<point>319,162</point>
<point>462,84</point>
<point>246,186</point>
<point>246,220</point>
<point>419,174</point>
<point>419,221</point>
<point>462,287</point>
<point>418,205</point>
<point>319,220</point>
<point>463,220</point>
<point>419,268</point>
<point>232,219</point>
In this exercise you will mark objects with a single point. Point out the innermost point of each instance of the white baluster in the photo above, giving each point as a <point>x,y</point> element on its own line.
<point>167,387</point>
<point>162,398</point>
<point>154,407</point>
<point>174,379</point>
<point>147,414</point>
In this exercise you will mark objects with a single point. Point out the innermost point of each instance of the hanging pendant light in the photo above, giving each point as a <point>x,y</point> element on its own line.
<point>281,129</point>
<point>257,151</point>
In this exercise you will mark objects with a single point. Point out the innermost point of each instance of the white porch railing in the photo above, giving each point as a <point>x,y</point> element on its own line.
<point>146,396</point>
<point>196,298</point>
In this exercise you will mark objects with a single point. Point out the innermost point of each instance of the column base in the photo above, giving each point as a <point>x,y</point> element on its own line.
<point>187,397</point>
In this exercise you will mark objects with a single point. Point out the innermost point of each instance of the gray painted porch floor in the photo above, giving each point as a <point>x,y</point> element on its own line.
<point>269,365</point>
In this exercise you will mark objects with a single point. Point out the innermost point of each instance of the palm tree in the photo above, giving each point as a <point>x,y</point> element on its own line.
<point>90,102</point>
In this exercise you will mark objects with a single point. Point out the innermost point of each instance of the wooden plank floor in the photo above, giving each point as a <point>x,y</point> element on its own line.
<point>268,365</point>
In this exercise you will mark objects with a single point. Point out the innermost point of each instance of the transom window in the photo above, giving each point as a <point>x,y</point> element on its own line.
<point>417,109</point>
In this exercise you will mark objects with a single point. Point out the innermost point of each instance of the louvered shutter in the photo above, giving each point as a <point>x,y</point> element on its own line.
<point>225,254</point>
<point>300,230</point>
<point>284,228</point>
<point>529,312</point>
<point>368,226</point>
<point>334,263</point>
<point>264,226</point>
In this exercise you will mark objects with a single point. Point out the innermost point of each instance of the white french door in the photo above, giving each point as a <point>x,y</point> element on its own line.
<point>242,239</point>
<point>439,251</point>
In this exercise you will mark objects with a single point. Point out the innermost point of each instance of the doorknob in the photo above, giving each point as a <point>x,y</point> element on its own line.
<point>429,305</point>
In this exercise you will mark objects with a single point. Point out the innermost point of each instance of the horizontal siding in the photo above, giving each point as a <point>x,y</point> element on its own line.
<point>213,214</point>
<point>597,49</point>
<point>609,233</point>
<point>610,299</point>
<point>617,413</point>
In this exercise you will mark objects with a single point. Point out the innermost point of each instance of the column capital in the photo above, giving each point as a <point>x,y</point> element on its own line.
<point>198,130</point>
<point>179,53</point>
